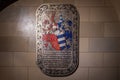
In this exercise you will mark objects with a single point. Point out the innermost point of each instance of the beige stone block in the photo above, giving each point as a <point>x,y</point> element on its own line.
<point>103,14</point>
<point>27,22</point>
<point>6,59</point>
<point>103,74</point>
<point>59,1</point>
<point>111,59</point>
<point>6,73</point>
<point>21,15</point>
<point>22,28</point>
<point>108,3</point>
<point>24,59</point>
<point>8,29</point>
<point>80,3</point>
<point>13,73</point>
<point>32,44</point>
<point>91,29</point>
<point>32,15</point>
<point>24,25</point>
<point>13,44</point>
<point>84,14</point>
<point>112,30</point>
<point>91,59</point>
<point>96,73</point>
<point>20,73</point>
<point>26,28</point>
<point>36,74</point>
<point>10,14</point>
<point>83,43</point>
<point>104,45</point>
<point>82,73</point>
<point>111,74</point>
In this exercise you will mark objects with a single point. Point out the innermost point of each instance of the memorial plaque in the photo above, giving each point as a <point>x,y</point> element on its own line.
<point>57,39</point>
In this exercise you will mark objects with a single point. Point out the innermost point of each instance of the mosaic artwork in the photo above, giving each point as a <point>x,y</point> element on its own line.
<point>57,39</point>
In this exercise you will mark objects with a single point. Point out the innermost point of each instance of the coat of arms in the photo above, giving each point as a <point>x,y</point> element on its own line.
<point>57,42</point>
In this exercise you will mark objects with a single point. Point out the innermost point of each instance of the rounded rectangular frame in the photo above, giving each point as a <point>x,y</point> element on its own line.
<point>57,61</point>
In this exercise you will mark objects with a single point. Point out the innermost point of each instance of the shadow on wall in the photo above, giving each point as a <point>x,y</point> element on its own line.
<point>5,3</point>
<point>116,6</point>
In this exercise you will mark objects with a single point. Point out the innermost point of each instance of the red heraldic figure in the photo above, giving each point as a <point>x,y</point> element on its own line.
<point>52,39</point>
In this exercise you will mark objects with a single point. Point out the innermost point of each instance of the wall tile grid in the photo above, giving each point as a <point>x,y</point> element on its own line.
<point>99,41</point>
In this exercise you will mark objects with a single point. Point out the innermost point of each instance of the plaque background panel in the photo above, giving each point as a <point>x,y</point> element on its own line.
<point>57,21</point>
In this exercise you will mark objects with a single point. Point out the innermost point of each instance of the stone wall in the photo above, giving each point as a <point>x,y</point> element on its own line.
<point>99,41</point>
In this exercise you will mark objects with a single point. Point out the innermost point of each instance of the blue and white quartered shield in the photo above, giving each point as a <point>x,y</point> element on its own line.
<point>57,39</point>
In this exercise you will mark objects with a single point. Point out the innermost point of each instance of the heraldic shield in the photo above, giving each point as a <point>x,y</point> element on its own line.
<point>57,39</point>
